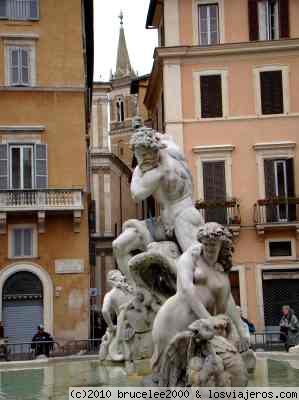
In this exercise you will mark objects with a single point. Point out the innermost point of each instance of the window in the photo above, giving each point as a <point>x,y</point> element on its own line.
<point>271,87</point>
<point>120,109</point>
<point>211,96</point>
<point>23,166</point>
<point>20,63</point>
<point>19,9</point>
<point>208,24</point>
<point>279,183</point>
<point>268,19</point>
<point>19,66</point>
<point>22,241</point>
<point>214,186</point>
<point>280,249</point>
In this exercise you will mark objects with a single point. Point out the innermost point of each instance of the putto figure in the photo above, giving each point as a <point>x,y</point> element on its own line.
<point>162,172</point>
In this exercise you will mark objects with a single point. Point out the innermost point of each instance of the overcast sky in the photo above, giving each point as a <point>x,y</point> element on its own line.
<point>141,42</point>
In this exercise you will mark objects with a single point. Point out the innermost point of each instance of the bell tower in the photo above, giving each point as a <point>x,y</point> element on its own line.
<point>123,105</point>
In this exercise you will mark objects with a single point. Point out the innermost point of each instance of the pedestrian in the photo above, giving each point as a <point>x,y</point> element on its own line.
<point>42,342</point>
<point>289,327</point>
<point>244,324</point>
<point>3,344</point>
<point>250,324</point>
<point>1,330</point>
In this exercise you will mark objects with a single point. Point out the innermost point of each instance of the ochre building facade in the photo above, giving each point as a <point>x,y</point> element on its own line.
<point>44,250</point>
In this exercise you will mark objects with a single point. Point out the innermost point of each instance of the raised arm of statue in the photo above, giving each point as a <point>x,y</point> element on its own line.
<point>145,184</point>
<point>185,279</point>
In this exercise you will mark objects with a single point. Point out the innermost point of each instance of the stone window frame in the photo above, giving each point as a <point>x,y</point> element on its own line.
<point>285,88</point>
<point>22,43</point>
<point>224,90</point>
<point>11,228</point>
<point>271,258</point>
<point>272,150</point>
<point>195,5</point>
<point>214,153</point>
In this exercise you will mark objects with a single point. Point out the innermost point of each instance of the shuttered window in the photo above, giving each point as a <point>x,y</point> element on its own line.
<point>23,166</point>
<point>271,92</point>
<point>19,9</point>
<point>22,242</point>
<point>19,66</point>
<point>211,96</point>
<point>214,190</point>
<point>268,19</point>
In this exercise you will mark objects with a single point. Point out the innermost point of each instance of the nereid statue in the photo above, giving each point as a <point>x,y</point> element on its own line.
<point>172,292</point>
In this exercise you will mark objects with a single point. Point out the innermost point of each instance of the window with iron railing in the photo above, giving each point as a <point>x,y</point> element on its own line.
<point>19,9</point>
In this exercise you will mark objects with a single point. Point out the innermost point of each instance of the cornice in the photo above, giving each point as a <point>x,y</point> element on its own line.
<point>213,149</point>
<point>9,35</point>
<point>22,128</point>
<point>274,145</point>
<point>227,49</point>
<point>42,88</point>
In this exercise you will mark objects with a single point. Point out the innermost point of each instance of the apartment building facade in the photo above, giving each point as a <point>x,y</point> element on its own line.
<point>225,84</point>
<point>46,68</point>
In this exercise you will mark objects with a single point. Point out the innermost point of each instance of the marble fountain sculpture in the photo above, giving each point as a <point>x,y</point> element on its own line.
<point>171,295</point>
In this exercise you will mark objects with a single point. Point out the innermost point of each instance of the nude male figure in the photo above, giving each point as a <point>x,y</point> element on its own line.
<point>162,172</point>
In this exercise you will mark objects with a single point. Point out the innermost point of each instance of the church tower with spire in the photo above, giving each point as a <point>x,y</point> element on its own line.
<point>123,105</point>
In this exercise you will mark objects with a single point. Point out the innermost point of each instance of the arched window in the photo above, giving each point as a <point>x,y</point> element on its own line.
<point>120,109</point>
<point>22,285</point>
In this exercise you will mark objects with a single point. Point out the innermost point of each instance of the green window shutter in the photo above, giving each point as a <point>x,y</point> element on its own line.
<point>284,19</point>
<point>3,9</point>
<point>271,92</point>
<point>34,9</point>
<point>41,166</point>
<point>211,96</point>
<point>253,20</point>
<point>3,166</point>
<point>215,190</point>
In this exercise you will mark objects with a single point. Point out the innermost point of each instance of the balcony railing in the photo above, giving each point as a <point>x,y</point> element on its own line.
<point>225,212</point>
<point>19,9</point>
<point>277,210</point>
<point>43,200</point>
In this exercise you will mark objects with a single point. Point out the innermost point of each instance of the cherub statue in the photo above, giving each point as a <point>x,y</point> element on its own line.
<point>197,357</point>
<point>162,172</point>
<point>134,311</point>
<point>120,294</point>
